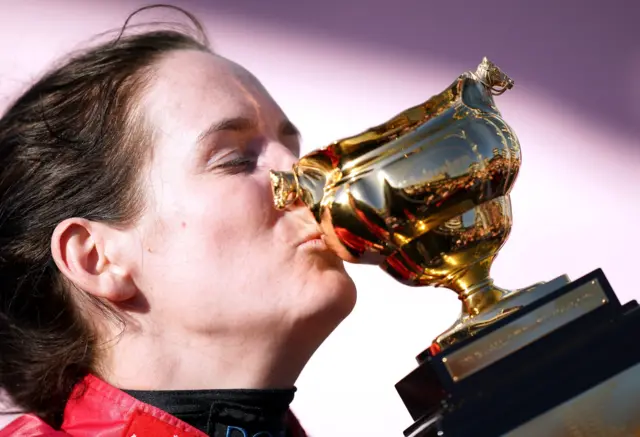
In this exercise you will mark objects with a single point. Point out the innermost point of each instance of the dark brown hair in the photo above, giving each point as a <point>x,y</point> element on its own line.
<point>72,145</point>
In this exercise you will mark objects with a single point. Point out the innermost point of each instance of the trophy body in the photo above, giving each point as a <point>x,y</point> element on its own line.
<point>426,197</point>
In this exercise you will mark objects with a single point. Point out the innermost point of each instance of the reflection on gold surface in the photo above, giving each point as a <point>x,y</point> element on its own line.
<point>424,195</point>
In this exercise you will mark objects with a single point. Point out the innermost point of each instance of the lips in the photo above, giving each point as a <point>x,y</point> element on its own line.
<point>308,229</point>
<point>312,237</point>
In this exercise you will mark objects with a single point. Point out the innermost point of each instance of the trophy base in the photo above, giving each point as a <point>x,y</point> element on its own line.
<point>565,364</point>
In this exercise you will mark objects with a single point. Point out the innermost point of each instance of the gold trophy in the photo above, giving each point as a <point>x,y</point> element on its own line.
<point>426,197</point>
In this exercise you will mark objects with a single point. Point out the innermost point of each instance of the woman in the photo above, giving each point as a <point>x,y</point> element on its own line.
<point>149,287</point>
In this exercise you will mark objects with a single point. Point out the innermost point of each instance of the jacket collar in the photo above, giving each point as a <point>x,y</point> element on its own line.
<point>97,409</point>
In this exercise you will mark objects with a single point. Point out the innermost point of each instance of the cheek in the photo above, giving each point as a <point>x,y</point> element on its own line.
<point>217,217</point>
<point>232,217</point>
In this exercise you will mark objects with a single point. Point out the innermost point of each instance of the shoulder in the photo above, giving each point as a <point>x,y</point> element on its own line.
<point>28,425</point>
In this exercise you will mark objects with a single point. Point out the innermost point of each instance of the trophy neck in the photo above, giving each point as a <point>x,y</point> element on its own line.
<point>476,289</point>
<point>483,303</point>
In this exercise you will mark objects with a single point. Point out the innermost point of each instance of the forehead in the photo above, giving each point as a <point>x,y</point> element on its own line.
<point>191,89</point>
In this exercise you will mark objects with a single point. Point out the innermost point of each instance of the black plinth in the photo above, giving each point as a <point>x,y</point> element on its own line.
<point>567,364</point>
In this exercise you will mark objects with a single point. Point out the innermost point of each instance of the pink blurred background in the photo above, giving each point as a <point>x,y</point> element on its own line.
<point>339,66</point>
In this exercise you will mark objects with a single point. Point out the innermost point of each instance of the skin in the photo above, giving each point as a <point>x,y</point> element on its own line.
<point>218,289</point>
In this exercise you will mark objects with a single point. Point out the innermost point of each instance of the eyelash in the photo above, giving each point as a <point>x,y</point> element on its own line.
<point>241,164</point>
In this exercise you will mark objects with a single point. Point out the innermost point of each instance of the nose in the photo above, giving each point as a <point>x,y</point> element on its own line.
<point>281,158</point>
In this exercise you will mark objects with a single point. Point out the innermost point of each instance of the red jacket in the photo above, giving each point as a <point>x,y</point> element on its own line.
<point>97,409</point>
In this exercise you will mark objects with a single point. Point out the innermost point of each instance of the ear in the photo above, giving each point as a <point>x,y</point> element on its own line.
<point>79,250</point>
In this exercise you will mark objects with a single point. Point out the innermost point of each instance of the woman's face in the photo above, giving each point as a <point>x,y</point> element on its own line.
<point>211,254</point>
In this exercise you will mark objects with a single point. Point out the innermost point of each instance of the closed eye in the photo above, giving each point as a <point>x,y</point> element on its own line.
<point>234,162</point>
<point>238,165</point>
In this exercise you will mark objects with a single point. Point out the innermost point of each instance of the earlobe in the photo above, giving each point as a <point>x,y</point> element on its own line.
<point>79,251</point>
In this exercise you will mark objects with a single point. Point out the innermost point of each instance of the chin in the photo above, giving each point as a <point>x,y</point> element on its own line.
<point>333,296</point>
<point>328,292</point>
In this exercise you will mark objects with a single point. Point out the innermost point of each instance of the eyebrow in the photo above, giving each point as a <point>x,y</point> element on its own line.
<point>243,124</point>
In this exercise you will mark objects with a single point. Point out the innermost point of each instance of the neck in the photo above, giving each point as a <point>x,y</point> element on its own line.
<point>182,362</point>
